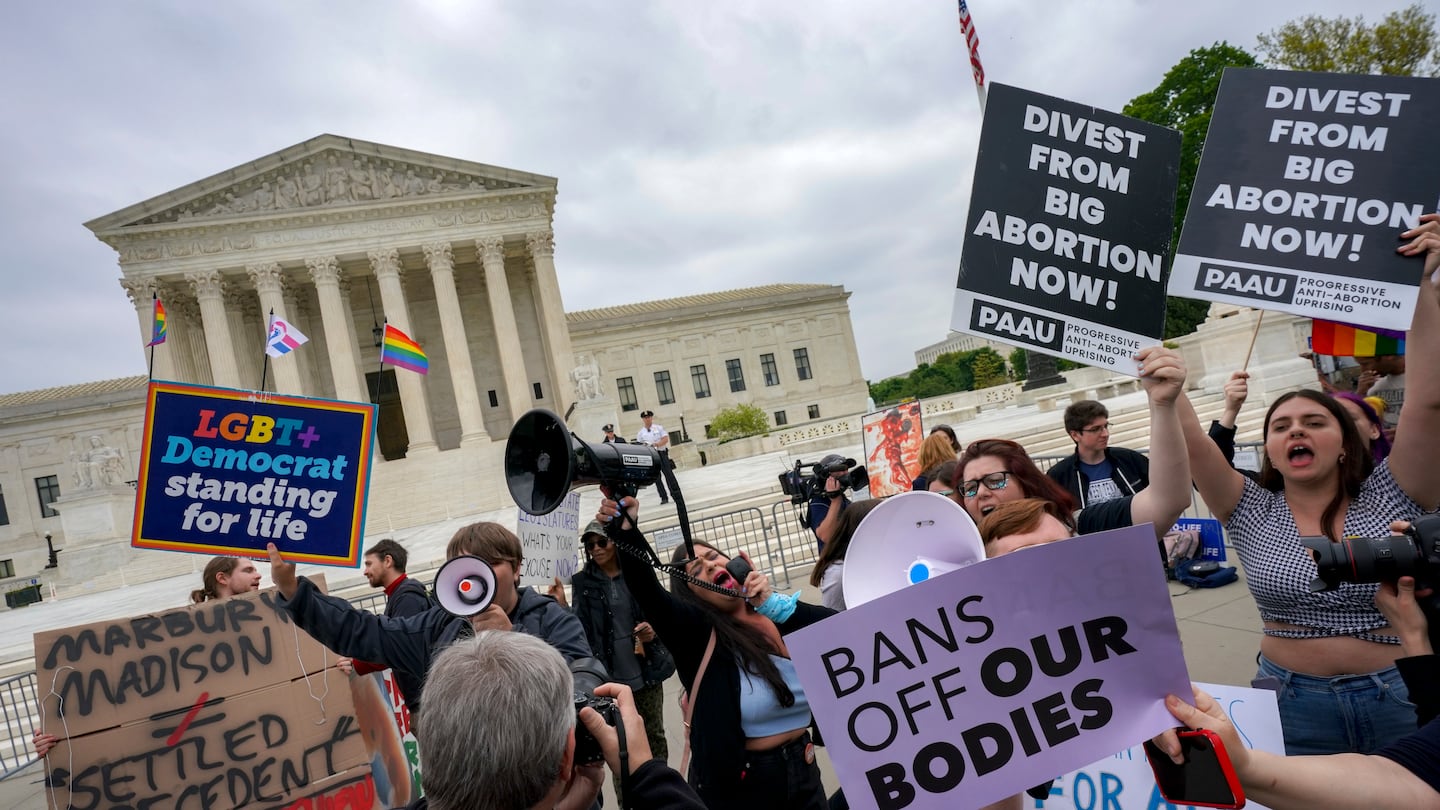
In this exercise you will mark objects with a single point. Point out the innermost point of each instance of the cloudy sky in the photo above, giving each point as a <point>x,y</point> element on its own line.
<point>699,146</point>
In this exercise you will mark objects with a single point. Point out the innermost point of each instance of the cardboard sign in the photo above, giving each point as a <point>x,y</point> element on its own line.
<point>1306,181</point>
<point>1069,228</point>
<point>225,472</point>
<point>978,684</point>
<point>550,543</point>
<point>1125,782</point>
<point>892,440</point>
<point>224,704</point>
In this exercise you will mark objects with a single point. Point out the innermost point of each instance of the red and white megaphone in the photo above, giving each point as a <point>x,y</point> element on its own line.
<point>465,585</point>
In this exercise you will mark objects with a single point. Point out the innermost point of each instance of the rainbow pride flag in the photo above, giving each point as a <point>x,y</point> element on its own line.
<point>1344,340</point>
<point>159,329</point>
<point>399,350</point>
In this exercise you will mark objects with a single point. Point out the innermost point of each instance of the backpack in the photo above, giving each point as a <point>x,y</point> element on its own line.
<point>1204,573</point>
<point>1177,547</point>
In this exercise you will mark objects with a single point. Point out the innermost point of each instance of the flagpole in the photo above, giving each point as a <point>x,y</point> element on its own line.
<point>265,362</point>
<point>1253,335</point>
<point>151,370</point>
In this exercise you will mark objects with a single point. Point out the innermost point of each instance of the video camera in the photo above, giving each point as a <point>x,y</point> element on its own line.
<point>1416,553</point>
<point>806,480</point>
<point>589,673</point>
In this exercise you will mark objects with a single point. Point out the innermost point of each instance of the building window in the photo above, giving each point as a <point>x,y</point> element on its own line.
<point>7,569</point>
<point>802,364</point>
<point>625,387</point>
<point>663,389</point>
<point>4,515</point>
<point>47,488</point>
<point>701,380</point>
<point>814,411</point>
<point>780,419</point>
<point>767,367</point>
<point>494,399</point>
<point>737,375</point>
<point>538,395</point>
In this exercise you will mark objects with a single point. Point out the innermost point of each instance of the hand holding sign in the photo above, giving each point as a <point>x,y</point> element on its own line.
<point>1162,374</point>
<point>282,573</point>
<point>1206,714</point>
<point>1425,239</point>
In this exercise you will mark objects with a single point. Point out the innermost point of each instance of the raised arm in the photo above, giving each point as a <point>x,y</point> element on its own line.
<point>1162,373</point>
<point>1219,484</point>
<point>1418,435</point>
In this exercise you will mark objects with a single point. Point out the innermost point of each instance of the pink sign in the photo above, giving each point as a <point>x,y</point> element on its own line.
<point>978,684</point>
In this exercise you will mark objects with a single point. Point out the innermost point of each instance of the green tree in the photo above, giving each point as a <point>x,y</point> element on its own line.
<point>1020,362</point>
<point>1184,100</point>
<point>988,367</point>
<point>739,422</point>
<point>1404,43</point>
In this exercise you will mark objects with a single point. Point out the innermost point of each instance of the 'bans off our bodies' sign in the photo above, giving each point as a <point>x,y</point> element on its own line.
<point>1069,227</point>
<point>1305,184</point>
<point>976,685</point>
<point>225,472</point>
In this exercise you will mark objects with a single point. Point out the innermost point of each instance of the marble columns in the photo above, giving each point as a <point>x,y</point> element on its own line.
<point>143,293</point>
<point>457,348</point>
<point>210,292</point>
<point>339,336</point>
<point>268,283</point>
<point>554,330</point>
<point>386,264</point>
<point>507,334</point>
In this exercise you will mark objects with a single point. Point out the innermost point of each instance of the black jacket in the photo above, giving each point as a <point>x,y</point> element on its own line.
<point>592,607</point>
<point>653,786</point>
<point>1131,473</point>
<point>408,599</point>
<point>717,743</point>
<point>408,645</point>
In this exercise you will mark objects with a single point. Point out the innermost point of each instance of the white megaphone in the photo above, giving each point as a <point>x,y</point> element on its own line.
<point>911,537</point>
<point>465,585</point>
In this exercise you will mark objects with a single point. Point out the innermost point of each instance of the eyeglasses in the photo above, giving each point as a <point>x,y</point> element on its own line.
<point>596,542</point>
<point>993,481</point>
<point>1094,429</point>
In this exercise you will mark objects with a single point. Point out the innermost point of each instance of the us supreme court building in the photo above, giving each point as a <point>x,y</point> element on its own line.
<point>338,236</point>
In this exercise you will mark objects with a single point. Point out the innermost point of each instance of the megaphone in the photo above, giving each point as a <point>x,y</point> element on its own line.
<point>911,537</point>
<point>465,585</point>
<point>544,461</point>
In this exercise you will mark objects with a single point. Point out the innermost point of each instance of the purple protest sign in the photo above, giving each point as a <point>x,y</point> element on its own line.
<point>976,685</point>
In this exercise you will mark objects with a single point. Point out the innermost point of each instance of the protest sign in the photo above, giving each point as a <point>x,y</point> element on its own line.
<point>1306,181</point>
<point>1212,536</point>
<point>226,472</point>
<point>1124,781</point>
<point>223,704</point>
<point>390,744</point>
<point>892,440</point>
<point>549,543</point>
<point>1069,227</point>
<point>980,683</point>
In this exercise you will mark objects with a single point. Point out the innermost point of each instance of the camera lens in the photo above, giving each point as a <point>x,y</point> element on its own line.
<point>1364,560</point>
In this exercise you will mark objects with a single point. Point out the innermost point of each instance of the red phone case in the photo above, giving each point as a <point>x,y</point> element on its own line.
<point>1222,758</point>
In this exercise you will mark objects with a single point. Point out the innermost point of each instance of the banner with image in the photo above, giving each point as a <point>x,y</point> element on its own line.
<point>995,677</point>
<point>225,472</point>
<point>892,440</point>
<point>1306,181</point>
<point>1069,228</point>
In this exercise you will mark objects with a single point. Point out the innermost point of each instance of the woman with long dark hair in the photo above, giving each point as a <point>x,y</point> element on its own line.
<point>748,717</point>
<point>1331,652</point>
<point>826,574</point>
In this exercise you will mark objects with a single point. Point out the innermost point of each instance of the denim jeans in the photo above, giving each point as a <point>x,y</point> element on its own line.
<point>1349,713</point>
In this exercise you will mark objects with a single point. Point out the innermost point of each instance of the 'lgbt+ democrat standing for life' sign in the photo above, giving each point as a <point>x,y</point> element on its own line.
<point>226,472</point>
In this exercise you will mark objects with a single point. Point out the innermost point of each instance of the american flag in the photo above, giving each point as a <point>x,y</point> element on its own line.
<point>972,39</point>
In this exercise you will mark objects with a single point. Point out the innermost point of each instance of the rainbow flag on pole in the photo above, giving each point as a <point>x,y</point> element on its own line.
<point>399,350</point>
<point>1344,340</point>
<point>159,329</point>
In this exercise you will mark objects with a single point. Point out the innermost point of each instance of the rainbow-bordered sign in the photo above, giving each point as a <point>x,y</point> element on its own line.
<point>226,472</point>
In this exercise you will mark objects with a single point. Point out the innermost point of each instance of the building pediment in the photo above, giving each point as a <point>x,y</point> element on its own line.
<point>323,173</point>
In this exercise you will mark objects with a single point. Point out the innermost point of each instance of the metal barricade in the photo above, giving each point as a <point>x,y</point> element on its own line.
<point>20,712</point>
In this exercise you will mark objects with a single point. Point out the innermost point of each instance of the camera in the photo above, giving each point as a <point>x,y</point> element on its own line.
<point>589,673</point>
<point>807,480</point>
<point>1416,553</point>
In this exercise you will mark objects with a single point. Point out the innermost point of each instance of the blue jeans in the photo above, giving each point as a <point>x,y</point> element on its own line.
<point>1349,713</point>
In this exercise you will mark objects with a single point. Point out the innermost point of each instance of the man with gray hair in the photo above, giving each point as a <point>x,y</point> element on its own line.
<point>498,731</point>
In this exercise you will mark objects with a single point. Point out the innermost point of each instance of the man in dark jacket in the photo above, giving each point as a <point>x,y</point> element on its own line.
<point>409,645</point>
<point>1096,472</point>
<point>385,568</point>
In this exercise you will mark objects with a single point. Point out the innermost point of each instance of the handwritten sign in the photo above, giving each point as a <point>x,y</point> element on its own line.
<point>550,542</point>
<point>993,678</point>
<point>226,472</point>
<point>1305,184</point>
<point>1069,227</point>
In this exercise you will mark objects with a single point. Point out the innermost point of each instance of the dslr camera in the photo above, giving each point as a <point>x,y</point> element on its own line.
<point>807,480</point>
<point>589,673</point>
<point>1416,553</point>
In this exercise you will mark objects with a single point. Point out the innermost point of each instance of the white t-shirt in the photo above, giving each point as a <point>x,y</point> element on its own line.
<point>652,435</point>
<point>1390,388</point>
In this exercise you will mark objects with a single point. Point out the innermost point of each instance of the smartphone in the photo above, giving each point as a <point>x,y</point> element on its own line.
<point>1206,779</point>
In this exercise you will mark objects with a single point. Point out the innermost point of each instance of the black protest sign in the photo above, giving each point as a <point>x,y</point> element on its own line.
<point>1068,231</point>
<point>1306,181</point>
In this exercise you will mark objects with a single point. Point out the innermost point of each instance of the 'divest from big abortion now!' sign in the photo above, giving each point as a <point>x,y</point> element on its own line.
<point>994,678</point>
<point>226,472</point>
<point>1305,184</point>
<point>1069,230</point>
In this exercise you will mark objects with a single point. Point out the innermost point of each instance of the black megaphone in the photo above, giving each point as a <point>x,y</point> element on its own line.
<point>465,585</point>
<point>544,461</point>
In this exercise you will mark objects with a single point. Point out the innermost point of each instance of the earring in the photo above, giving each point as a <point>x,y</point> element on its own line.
<point>1342,458</point>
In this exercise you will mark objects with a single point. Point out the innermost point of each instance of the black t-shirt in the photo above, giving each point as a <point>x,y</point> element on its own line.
<point>1100,517</point>
<point>1419,754</point>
